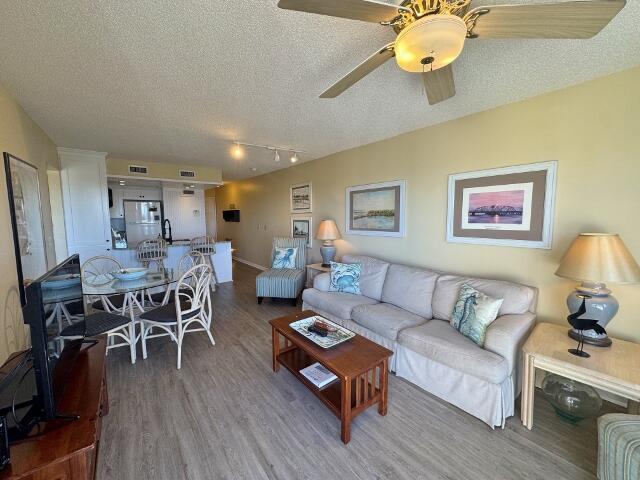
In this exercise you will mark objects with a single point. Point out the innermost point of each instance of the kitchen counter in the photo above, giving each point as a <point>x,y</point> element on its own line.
<point>221,259</point>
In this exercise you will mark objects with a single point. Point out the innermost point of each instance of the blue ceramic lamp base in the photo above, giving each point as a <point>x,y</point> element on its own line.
<point>601,306</point>
<point>328,253</point>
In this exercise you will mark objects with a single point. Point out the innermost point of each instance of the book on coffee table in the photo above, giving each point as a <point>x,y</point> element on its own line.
<point>318,375</point>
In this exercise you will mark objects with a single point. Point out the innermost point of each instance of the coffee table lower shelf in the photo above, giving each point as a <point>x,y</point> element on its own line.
<point>363,393</point>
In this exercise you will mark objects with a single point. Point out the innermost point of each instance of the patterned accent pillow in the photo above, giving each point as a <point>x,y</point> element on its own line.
<point>345,277</point>
<point>284,257</point>
<point>473,313</point>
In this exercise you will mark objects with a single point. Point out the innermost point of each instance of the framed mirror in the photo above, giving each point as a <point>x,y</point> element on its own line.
<point>23,188</point>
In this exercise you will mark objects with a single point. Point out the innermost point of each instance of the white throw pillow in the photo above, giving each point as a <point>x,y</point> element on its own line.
<point>284,257</point>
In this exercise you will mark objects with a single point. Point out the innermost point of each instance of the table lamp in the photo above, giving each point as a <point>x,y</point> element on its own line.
<point>327,232</point>
<point>593,259</point>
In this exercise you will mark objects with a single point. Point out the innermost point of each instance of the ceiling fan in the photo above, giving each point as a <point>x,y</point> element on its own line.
<point>431,33</point>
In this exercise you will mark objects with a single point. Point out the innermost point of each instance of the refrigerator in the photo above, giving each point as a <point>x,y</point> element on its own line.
<point>143,221</point>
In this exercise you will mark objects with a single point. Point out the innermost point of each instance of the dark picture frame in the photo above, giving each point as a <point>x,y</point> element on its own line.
<point>8,158</point>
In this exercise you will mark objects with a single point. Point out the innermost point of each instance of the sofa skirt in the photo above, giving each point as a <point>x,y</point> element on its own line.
<point>365,332</point>
<point>492,403</point>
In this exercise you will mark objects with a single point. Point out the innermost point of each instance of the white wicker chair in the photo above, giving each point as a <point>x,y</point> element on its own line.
<point>192,306</point>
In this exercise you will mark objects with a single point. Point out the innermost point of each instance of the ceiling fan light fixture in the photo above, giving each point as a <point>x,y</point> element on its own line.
<point>439,36</point>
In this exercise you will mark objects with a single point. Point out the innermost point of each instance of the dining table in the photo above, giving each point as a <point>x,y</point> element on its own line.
<point>106,285</point>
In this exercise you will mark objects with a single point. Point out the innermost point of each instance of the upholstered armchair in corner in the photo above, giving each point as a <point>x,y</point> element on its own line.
<point>284,282</point>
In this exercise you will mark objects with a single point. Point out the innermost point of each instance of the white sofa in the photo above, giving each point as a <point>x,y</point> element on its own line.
<point>408,310</point>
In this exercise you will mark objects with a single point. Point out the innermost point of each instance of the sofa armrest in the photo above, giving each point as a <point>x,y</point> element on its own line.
<point>507,334</point>
<point>322,281</point>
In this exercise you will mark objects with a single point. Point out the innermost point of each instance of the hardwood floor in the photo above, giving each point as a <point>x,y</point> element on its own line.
<point>226,415</point>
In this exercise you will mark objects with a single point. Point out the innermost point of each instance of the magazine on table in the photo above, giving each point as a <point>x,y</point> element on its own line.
<point>318,374</point>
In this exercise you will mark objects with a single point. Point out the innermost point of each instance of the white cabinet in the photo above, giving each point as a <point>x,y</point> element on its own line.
<point>119,194</point>
<point>85,201</point>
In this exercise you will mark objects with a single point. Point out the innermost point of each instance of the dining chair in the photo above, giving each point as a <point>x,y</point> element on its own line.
<point>113,325</point>
<point>187,261</point>
<point>192,306</point>
<point>98,271</point>
<point>152,250</point>
<point>207,246</point>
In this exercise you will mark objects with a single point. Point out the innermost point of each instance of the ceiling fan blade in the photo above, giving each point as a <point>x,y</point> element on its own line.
<point>577,19</point>
<point>439,84</point>
<point>361,71</point>
<point>365,10</point>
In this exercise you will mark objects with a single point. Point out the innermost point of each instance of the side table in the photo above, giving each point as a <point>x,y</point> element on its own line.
<point>313,271</point>
<point>614,369</point>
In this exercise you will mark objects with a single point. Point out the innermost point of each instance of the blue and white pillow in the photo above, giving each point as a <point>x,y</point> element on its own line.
<point>473,313</point>
<point>345,277</point>
<point>284,257</point>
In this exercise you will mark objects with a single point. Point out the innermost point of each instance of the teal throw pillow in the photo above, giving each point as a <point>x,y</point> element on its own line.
<point>284,257</point>
<point>473,313</point>
<point>345,277</point>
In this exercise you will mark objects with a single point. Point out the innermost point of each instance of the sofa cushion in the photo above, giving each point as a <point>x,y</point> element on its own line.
<point>517,299</point>
<point>410,288</point>
<point>384,319</point>
<point>335,303</point>
<point>372,275</point>
<point>440,342</point>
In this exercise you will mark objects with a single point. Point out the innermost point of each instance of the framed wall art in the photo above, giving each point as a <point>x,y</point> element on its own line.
<point>302,227</point>
<point>377,209</point>
<point>301,198</point>
<point>23,188</point>
<point>510,206</point>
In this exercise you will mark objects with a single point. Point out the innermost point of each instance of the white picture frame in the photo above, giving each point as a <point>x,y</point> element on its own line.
<point>385,196</point>
<point>299,224</point>
<point>455,213</point>
<point>301,197</point>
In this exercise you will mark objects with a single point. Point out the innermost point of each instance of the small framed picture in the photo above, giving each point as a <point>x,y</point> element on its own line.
<point>302,227</point>
<point>301,198</point>
<point>377,209</point>
<point>510,206</point>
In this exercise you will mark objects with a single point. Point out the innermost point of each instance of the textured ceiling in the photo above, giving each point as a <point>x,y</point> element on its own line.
<point>177,81</point>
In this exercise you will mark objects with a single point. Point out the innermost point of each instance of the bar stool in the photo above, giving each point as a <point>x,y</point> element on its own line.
<point>206,245</point>
<point>152,250</point>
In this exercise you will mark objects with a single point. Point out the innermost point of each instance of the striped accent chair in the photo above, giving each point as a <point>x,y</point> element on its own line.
<point>619,447</point>
<point>284,282</point>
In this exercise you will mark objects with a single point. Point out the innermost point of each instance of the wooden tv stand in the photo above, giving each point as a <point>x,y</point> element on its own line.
<point>68,449</point>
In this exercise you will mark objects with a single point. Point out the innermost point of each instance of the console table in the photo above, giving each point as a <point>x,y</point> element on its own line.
<point>615,369</point>
<point>68,449</point>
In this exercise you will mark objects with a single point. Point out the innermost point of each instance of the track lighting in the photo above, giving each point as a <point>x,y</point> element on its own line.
<point>294,157</point>
<point>277,159</point>
<point>237,152</point>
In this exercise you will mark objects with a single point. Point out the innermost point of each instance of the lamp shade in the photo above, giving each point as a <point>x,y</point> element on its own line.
<point>328,230</point>
<point>599,257</point>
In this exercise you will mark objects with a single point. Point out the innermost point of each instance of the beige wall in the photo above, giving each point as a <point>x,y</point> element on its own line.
<point>164,171</point>
<point>593,130</point>
<point>21,137</point>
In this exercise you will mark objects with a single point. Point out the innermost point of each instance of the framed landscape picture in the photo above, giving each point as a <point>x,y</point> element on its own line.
<point>302,227</point>
<point>376,209</point>
<point>510,206</point>
<point>301,198</point>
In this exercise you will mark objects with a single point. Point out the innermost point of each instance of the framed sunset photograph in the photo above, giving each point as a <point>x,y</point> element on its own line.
<point>377,209</point>
<point>510,206</point>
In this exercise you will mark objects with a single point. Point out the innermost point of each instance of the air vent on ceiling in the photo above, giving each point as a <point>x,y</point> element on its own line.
<point>187,174</point>
<point>188,193</point>
<point>138,169</point>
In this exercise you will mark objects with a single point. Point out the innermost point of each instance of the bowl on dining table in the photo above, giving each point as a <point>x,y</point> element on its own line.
<point>129,274</point>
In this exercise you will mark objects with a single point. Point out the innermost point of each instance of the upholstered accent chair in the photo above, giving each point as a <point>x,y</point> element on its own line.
<point>284,282</point>
<point>618,447</point>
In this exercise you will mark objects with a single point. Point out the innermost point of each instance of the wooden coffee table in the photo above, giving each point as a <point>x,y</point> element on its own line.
<point>360,365</point>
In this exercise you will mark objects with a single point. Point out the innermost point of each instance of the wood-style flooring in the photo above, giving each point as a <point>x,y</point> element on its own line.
<point>226,415</point>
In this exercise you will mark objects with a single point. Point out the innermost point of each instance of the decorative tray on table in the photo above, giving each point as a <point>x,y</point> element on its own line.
<point>334,335</point>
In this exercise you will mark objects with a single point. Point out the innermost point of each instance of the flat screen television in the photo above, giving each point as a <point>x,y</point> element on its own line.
<point>33,381</point>
<point>231,215</point>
